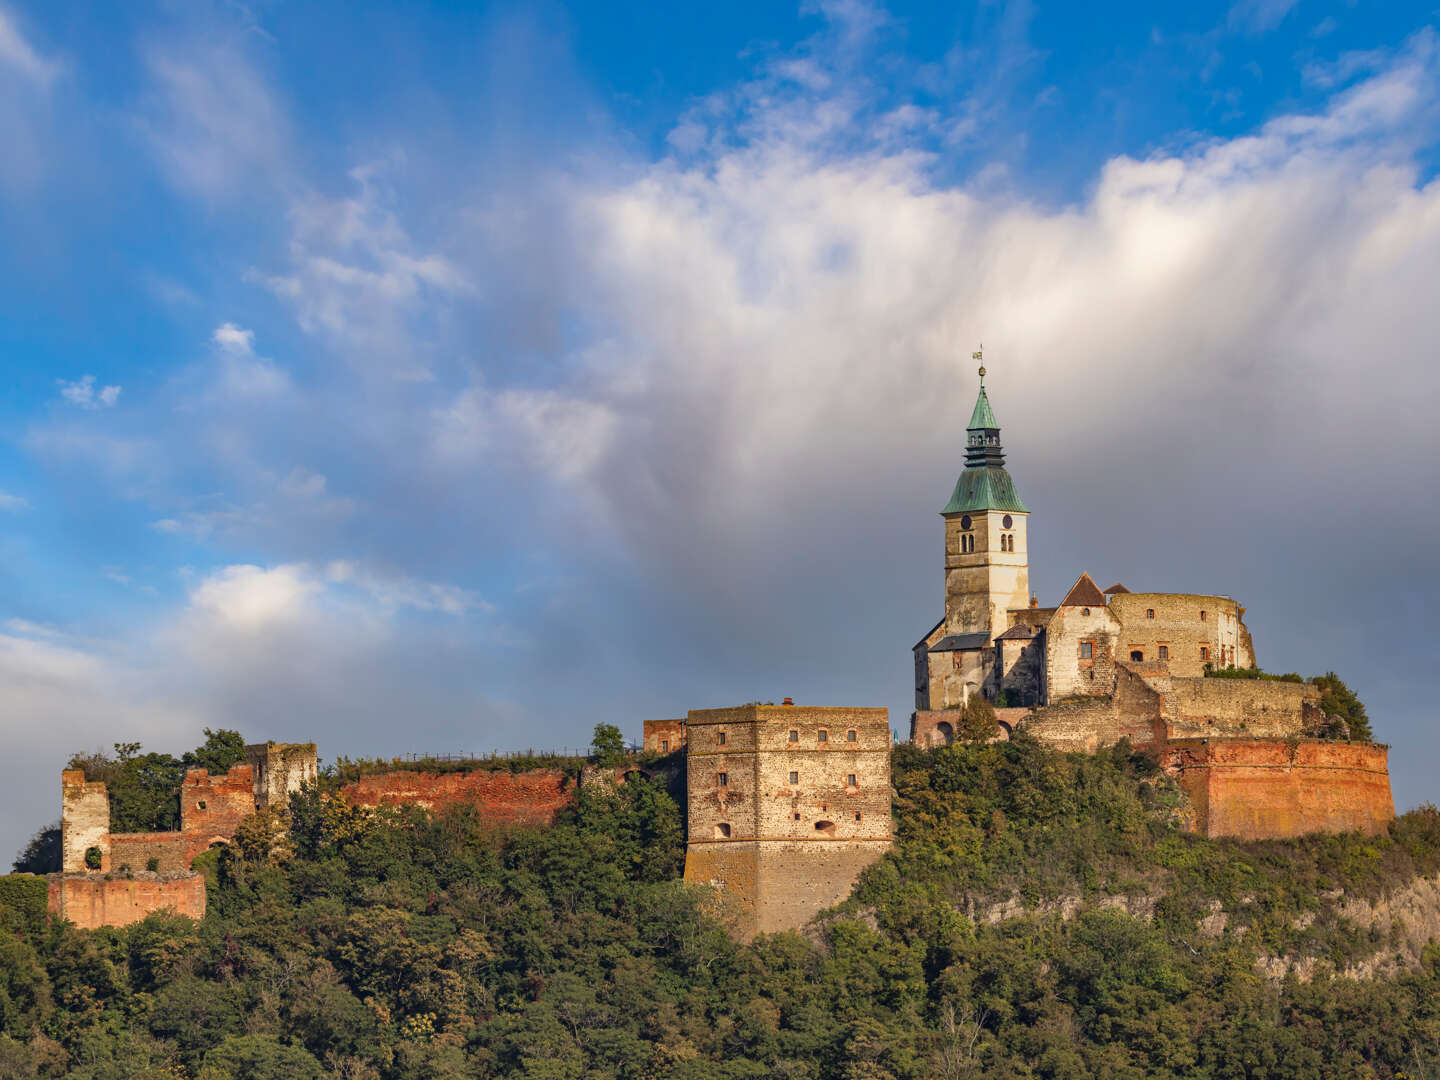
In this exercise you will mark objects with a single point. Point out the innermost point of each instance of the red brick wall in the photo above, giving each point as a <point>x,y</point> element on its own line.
<point>212,806</point>
<point>527,798</point>
<point>90,900</point>
<point>1258,789</point>
<point>669,732</point>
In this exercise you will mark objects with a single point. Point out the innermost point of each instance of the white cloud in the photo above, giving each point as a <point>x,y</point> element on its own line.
<point>21,56</point>
<point>233,339</point>
<point>13,504</point>
<point>395,591</point>
<point>253,600</point>
<point>242,373</point>
<point>357,278</point>
<point>211,122</point>
<point>82,392</point>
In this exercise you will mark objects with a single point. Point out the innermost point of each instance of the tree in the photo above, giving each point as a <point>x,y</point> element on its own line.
<point>220,750</point>
<point>607,748</point>
<point>42,854</point>
<point>1337,699</point>
<point>978,722</point>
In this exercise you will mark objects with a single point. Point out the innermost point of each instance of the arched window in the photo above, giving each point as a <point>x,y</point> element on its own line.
<point>946,732</point>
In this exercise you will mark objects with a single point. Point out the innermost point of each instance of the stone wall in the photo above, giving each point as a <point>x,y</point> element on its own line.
<point>785,804</point>
<point>133,852</point>
<point>94,900</point>
<point>526,798</point>
<point>1254,708</point>
<point>84,821</point>
<point>664,736</point>
<point>280,769</point>
<point>1184,623</point>
<point>1067,674</point>
<point>936,727</point>
<point>1257,789</point>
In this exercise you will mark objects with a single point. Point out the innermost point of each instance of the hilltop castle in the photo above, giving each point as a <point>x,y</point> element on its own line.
<point>1256,756</point>
<point>786,804</point>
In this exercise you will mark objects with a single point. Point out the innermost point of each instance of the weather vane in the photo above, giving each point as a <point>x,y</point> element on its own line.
<point>979,354</point>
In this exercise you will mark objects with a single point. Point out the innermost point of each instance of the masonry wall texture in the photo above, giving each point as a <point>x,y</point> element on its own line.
<point>528,798</point>
<point>1184,623</point>
<point>280,769</point>
<point>133,851</point>
<point>664,736</point>
<point>1259,788</point>
<point>84,821</point>
<point>94,900</point>
<point>786,804</point>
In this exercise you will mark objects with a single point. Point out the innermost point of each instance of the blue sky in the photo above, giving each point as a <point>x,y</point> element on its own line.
<point>447,377</point>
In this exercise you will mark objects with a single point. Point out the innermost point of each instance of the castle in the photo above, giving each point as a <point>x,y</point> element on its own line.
<point>786,805</point>
<point>1254,755</point>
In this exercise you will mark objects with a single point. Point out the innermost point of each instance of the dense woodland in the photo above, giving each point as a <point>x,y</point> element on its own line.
<point>343,943</point>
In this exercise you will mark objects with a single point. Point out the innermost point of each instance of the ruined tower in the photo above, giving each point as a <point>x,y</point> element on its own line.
<point>787,804</point>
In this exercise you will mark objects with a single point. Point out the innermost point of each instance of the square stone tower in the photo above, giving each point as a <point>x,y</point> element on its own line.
<point>787,804</point>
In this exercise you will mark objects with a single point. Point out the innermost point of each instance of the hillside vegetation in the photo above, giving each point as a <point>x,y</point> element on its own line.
<point>399,946</point>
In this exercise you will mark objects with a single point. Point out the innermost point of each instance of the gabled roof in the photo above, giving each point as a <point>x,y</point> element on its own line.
<point>1084,593</point>
<point>961,643</point>
<point>1116,588</point>
<point>928,633</point>
<point>1019,632</point>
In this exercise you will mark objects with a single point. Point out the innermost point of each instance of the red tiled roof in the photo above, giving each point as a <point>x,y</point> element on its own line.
<point>1084,593</point>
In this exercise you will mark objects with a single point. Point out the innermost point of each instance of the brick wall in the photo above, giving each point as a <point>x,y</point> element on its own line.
<point>93,900</point>
<point>664,736</point>
<point>527,798</point>
<point>211,807</point>
<point>1257,789</point>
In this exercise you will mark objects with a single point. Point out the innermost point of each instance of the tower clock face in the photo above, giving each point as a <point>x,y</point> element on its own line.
<point>1008,522</point>
<point>965,522</point>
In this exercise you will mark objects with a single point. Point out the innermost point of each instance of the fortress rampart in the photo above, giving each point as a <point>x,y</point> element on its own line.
<point>1255,789</point>
<point>94,900</point>
<point>525,798</point>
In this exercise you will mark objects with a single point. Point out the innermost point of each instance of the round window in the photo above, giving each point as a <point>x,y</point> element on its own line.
<point>1008,522</point>
<point>965,522</point>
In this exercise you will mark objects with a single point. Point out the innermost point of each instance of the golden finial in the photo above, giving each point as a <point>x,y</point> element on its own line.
<point>979,354</point>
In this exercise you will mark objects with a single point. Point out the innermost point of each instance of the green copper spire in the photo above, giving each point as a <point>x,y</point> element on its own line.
<point>984,485</point>
<point>983,417</point>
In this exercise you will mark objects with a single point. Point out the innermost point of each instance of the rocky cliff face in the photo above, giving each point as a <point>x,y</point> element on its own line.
<point>1384,935</point>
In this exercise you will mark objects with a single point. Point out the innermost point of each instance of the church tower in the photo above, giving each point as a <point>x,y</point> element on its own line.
<point>987,569</point>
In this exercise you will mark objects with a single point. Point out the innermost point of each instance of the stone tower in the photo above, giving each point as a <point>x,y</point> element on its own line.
<point>987,568</point>
<point>787,804</point>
